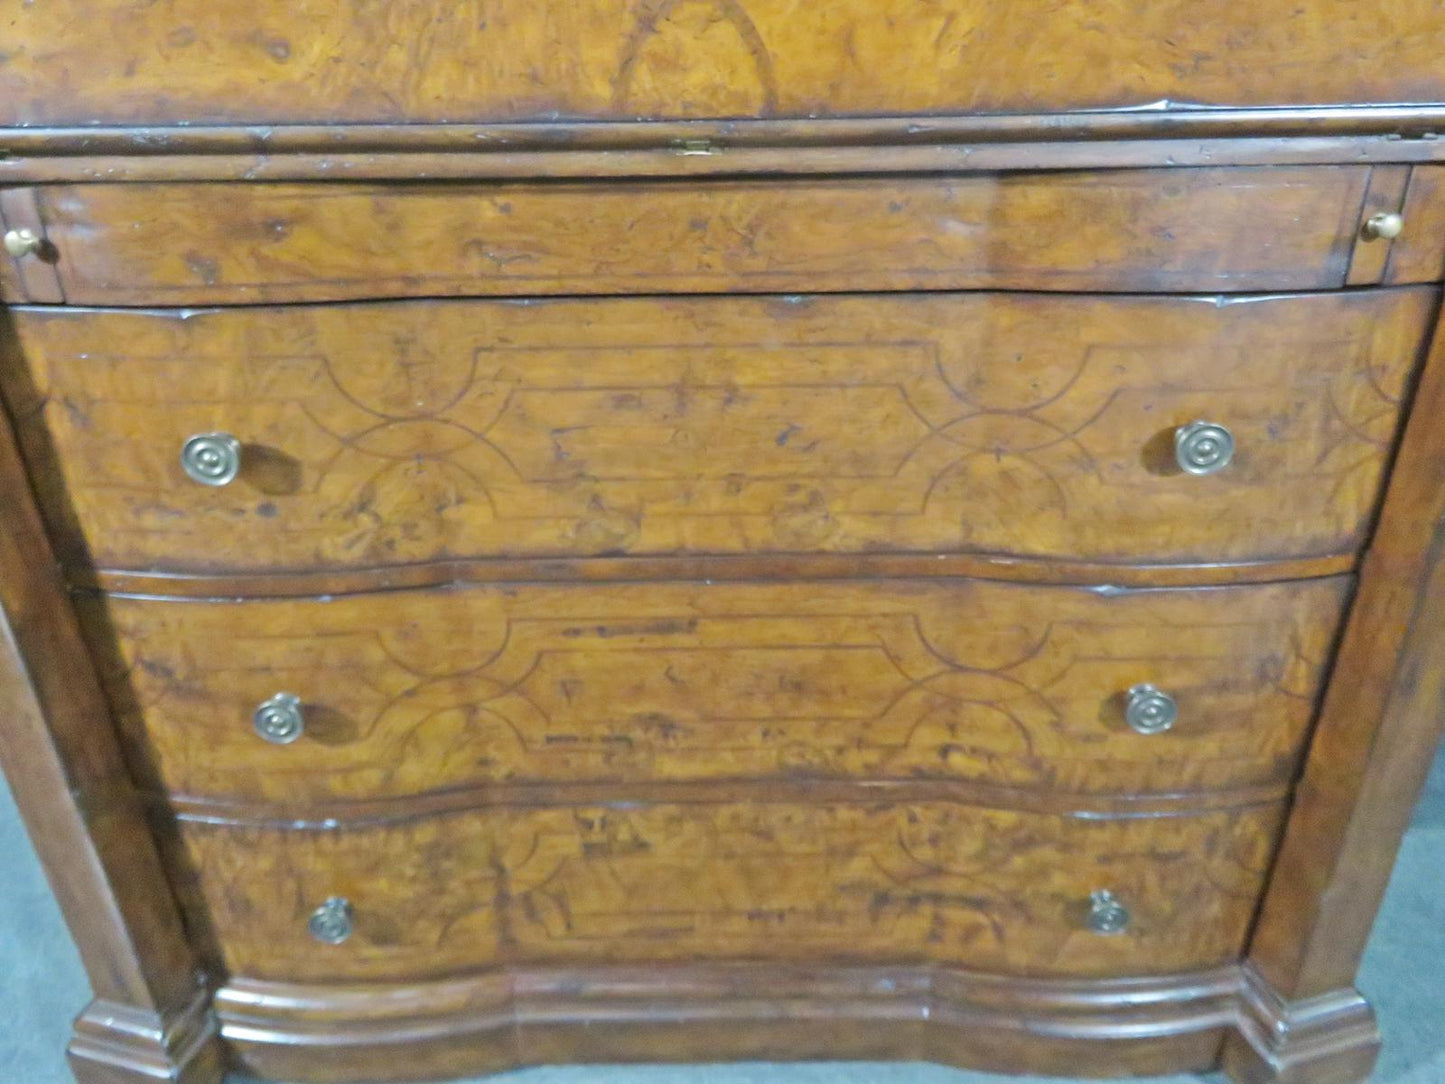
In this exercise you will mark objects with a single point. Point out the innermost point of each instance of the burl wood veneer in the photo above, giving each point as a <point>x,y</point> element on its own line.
<point>551,531</point>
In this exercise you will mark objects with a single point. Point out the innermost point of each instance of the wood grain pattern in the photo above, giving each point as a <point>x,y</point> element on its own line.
<point>1032,426</point>
<point>1001,891</point>
<point>1176,230</point>
<point>410,692</point>
<point>345,61</point>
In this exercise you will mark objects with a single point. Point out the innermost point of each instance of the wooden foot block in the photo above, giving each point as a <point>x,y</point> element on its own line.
<point>1330,1039</point>
<point>120,1044</point>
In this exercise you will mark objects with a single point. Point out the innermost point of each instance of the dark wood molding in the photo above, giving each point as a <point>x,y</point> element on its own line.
<point>503,1020</point>
<point>395,163</point>
<point>65,769</point>
<point>1161,120</point>
<point>1166,135</point>
<point>390,811</point>
<point>820,566</point>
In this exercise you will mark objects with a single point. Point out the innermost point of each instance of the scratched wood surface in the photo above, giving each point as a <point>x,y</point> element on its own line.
<point>394,434</point>
<point>1234,229</point>
<point>416,691</point>
<point>1001,891</point>
<point>348,61</point>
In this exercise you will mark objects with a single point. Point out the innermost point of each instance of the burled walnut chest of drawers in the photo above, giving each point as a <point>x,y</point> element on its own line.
<point>554,530</point>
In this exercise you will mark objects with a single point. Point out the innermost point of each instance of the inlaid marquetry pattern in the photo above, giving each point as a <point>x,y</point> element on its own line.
<point>990,889</point>
<point>421,691</point>
<point>1037,426</point>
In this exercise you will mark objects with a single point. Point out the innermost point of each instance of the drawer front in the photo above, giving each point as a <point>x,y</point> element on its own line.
<point>415,691</point>
<point>986,889</point>
<point>1144,230</point>
<point>403,433</point>
<point>299,61</point>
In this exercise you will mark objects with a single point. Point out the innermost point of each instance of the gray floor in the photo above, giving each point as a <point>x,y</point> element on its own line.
<point>42,986</point>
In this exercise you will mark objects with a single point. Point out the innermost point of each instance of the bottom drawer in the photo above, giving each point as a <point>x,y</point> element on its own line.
<point>986,889</point>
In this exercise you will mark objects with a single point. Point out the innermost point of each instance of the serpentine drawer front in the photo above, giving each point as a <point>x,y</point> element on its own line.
<point>1037,426</point>
<point>553,531</point>
<point>411,692</point>
<point>1006,892</point>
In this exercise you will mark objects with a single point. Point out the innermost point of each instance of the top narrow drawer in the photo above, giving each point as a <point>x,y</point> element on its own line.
<point>1147,230</point>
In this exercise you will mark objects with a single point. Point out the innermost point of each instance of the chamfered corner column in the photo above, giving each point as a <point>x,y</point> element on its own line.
<point>151,1018</point>
<point>1301,1019</point>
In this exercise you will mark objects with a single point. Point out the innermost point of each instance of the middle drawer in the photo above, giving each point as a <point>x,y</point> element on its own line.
<point>400,693</point>
<point>1031,425</point>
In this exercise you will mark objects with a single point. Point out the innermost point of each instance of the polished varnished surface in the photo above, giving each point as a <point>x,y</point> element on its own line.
<point>411,692</point>
<point>712,629</point>
<point>1003,891</point>
<point>1174,230</point>
<point>1034,426</point>
<point>344,61</point>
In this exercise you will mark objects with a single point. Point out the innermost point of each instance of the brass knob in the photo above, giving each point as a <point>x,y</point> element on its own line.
<point>22,242</point>
<point>1385,226</point>
<point>279,719</point>
<point>213,459</point>
<point>1203,447</point>
<point>331,922</point>
<point>1150,711</point>
<point>1106,914</point>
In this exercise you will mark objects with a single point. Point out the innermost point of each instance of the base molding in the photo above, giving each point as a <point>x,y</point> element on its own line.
<point>1329,1039</point>
<point>122,1044</point>
<point>1227,1017</point>
<point>505,1020</point>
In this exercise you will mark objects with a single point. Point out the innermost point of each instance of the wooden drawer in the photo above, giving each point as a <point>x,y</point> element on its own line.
<point>987,889</point>
<point>1034,426</point>
<point>293,61</point>
<point>430,691</point>
<point>1228,229</point>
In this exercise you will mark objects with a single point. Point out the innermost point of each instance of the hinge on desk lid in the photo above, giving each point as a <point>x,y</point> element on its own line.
<point>27,263</point>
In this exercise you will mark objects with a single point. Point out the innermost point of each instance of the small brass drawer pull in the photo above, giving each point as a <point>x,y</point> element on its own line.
<point>1106,914</point>
<point>1385,226</point>
<point>1203,447</point>
<point>213,459</point>
<point>1150,711</point>
<point>279,719</point>
<point>331,922</point>
<point>20,243</point>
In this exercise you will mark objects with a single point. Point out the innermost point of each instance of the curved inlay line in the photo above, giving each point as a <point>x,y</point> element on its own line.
<point>352,813</point>
<point>301,584</point>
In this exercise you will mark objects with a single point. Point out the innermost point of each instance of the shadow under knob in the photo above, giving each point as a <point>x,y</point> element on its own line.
<point>213,459</point>
<point>1203,447</point>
